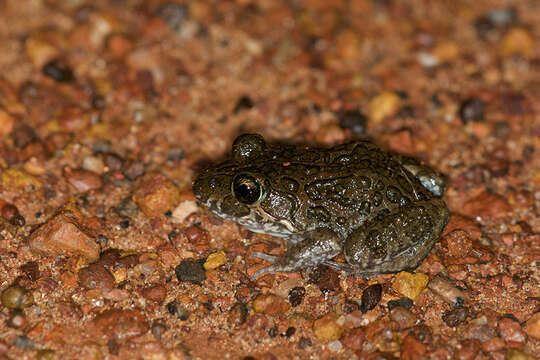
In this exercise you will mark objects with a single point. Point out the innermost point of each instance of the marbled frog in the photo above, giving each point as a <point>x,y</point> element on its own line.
<point>383,212</point>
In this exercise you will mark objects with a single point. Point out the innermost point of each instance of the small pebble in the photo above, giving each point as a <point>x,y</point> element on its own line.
<point>95,276</point>
<point>304,343</point>
<point>270,304</point>
<point>7,121</point>
<point>156,194</point>
<point>11,214</point>
<point>350,306</point>
<point>94,164</point>
<point>23,343</point>
<point>238,314</point>
<point>46,354</point>
<point>83,180</point>
<point>383,105</point>
<point>127,208</point>
<point>532,326</point>
<point>515,354</point>
<point>31,270</point>
<point>58,70</point>
<point>192,271</point>
<point>296,295</point>
<point>23,135</point>
<point>353,120</point>
<point>404,302</point>
<point>244,103</point>
<point>335,346</point>
<point>175,15</point>
<point>510,330</point>
<point>327,279</point>
<point>118,325</point>
<point>215,260</point>
<point>101,146</point>
<point>410,285</point>
<point>455,316</point>
<point>371,297</point>
<point>156,293</point>
<point>17,297</point>
<point>446,289</point>
<point>327,329</point>
<point>112,161</point>
<point>16,319</point>
<point>471,110</point>
<point>517,41</point>
<point>157,329</point>
<point>402,317</point>
<point>291,330</point>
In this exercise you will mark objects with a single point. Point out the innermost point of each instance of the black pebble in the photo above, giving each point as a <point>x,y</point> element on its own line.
<point>455,316</point>
<point>371,297</point>
<point>244,103</point>
<point>404,302</point>
<point>124,224</point>
<point>296,295</point>
<point>304,343</point>
<point>353,120</point>
<point>471,109</point>
<point>175,15</point>
<point>24,343</point>
<point>273,331</point>
<point>191,270</point>
<point>58,70</point>
<point>290,331</point>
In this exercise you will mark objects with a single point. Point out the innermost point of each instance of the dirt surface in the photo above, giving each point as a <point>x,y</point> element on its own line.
<point>108,109</point>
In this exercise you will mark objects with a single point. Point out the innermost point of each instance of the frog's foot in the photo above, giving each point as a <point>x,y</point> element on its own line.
<point>349,269</point>
<point>319,246</point>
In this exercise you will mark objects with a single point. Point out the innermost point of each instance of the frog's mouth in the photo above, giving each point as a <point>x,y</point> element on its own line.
<point>260,221</point>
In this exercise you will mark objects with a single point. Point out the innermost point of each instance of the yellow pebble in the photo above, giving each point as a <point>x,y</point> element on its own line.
<point>215,260</point>
<point>410,285</point>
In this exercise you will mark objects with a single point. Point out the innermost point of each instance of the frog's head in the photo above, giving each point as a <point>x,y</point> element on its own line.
<point>237,189</point>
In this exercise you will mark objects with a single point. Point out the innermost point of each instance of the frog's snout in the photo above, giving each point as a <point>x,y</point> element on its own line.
<point>198,189</point>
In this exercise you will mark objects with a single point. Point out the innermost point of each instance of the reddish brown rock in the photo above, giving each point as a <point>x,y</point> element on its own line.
<point>510,330</point>
<point>156,293</point>
<point>463,223</point>
<point>95,276</point>
<point>412,348</point>
<point>270,304</point>
<point>64,234</point>
<point>354,339</point>
<point>447,290</point>
<point>402,317</point>
<point>532,326</point>
<point>467,350</point>
<point>486,205</point>
<point>73,119</point>
<point>119,325</point>
<point>83,180</point>
<point>156,194</point>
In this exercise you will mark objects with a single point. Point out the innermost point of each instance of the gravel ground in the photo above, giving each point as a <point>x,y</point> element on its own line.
<point>109,109</point>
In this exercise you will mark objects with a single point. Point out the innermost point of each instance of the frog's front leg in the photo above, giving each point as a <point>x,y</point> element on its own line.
<point>317,247</point>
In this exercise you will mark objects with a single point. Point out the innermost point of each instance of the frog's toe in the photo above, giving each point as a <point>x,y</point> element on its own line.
<point>266,270</point>
<point>259,255</point>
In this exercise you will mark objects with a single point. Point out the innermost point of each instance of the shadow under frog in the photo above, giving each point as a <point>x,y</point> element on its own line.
<point>383,212</point>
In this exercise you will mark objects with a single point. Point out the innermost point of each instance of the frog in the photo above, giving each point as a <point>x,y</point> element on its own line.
<point>381,212</point>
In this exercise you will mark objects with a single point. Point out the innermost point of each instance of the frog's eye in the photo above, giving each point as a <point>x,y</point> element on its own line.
<point>247,189</point>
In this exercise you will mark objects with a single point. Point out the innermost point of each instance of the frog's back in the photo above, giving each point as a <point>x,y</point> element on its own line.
<point>338,188</point>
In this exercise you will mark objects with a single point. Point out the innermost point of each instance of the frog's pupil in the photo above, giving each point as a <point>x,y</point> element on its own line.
<point>246,189</point>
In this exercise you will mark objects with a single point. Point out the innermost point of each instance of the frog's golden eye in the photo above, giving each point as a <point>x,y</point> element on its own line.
<point>247,189</point>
